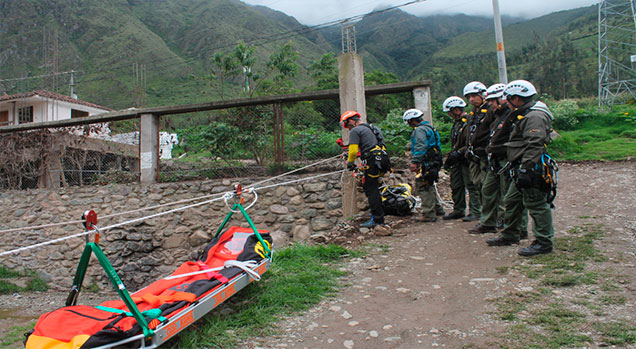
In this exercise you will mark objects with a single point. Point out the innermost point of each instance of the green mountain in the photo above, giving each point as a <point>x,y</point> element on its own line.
<point>102,41</point>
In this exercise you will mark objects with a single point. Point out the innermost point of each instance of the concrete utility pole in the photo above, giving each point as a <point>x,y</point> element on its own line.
<point>501,54</point>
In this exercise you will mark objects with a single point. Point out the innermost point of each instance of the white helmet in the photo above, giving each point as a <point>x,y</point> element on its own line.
<point>495,91</point>
<point>475,87</point>
<point>411,114</point>
<point>521,88</point>
<point>452,102</point>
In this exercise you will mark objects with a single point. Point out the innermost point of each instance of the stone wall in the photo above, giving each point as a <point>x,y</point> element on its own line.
<point>144,251</point>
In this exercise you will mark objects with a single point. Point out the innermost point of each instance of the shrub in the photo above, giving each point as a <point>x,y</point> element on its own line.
<point>565,115</point>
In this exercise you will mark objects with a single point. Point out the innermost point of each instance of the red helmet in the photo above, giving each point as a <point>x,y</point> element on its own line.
<point>348,115</point>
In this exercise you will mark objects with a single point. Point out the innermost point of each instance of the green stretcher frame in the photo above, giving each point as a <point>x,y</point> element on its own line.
<point>93,248</point>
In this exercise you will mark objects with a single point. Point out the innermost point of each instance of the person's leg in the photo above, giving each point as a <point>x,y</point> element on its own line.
<point>375,200</point>
<point>458,190</point>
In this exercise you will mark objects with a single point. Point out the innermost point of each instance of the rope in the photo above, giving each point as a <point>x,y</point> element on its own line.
<point>25,248</point>
<point>246,266</point>
<point>107,227</point>
<point>51,225</point>
<point>296,170</point>
<point>448,204</point>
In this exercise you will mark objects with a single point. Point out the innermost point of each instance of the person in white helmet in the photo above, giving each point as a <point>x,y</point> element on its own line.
<point>456,163</point>
<point>426,161</point>
<point>526,151</point>
<point>478,124</point>
<point>496,182</point>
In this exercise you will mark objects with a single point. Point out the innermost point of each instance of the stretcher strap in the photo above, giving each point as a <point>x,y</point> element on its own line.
<point>150,313</point>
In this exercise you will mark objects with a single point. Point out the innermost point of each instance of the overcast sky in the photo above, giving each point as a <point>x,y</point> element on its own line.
<point>311,12</point>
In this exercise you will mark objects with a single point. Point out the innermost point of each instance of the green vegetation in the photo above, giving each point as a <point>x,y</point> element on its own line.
<point>34,283</point>
<point>15,335</point>
<point>589,134</point>
<point>539,318</point>
<point>299,278</point>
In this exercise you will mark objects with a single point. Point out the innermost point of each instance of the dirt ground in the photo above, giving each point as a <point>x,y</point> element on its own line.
<point>430,285</point>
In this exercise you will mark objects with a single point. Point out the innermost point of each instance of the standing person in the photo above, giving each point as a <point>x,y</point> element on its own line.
<point>477,137</point>
<point>526,151</point>
<point>369,141</point>
<point>426,161</point>
<point>495,184</point>
<point>456,163</point>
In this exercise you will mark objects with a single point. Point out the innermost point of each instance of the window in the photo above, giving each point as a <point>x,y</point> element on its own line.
<point>25,115</point>
<point>78,113</point>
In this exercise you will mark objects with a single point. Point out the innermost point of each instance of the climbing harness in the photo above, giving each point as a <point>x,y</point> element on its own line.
<point>550,175</point>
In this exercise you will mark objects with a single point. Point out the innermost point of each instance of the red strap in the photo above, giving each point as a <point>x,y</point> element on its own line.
<point>212,274</point>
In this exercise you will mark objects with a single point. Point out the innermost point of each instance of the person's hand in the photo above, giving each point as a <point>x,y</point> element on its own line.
<point>351,166</point>
<point>414,167</point>
<point>524,179</point>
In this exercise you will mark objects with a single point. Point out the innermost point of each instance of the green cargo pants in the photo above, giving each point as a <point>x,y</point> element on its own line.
<point>492,193</point>
<point>535,201</point>
<point>431,206</point>
<point>460,182</point>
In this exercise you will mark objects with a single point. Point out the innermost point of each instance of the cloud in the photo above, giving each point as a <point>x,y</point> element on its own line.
<point>312,12</point>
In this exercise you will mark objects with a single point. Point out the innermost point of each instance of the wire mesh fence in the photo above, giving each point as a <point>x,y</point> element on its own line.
<point>256,140</point>
<point>79,155</point>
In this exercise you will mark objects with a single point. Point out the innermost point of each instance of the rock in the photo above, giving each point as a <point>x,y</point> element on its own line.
<point>348,344</point>
<point>199,237</point>
<point>382,230</point>
<point>311,198</point>
<point>173,241</point>
<point>296,200</point>
<point>334,204</point>
<point>281,238</point>
<point>353,323</point>
<point>321,223</point>
<point>286,219</point>
<point>346,315</point>
<point>278,209</point>
<point>315,187</point>
<point>335,308</point>
<point>291,191</point>
<point>373,334</point>
<point>155,197</point>
<point>301,233</point>
<point>309,213</point>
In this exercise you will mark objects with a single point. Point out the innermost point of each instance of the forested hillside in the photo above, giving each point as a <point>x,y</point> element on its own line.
<point>174,41</point>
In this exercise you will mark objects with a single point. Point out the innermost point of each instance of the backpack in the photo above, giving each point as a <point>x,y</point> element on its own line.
<point>397,199</point>
<point>381,158</point>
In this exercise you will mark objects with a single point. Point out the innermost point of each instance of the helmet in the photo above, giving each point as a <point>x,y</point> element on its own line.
<point>452,102</point>
<point>348,115</point>
<point>411,114</point>
<point>474,87</point>
<point>495,91</point>
<point>520,88</point>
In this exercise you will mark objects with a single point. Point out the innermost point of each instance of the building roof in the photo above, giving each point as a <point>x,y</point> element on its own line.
<point>52,95</point>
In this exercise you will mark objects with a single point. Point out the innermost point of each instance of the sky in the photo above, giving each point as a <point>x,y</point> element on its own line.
<point>312,12</point>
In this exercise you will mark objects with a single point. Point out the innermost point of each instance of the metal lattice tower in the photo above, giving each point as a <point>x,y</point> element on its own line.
<point>616,51</point>
<point>348,32</point>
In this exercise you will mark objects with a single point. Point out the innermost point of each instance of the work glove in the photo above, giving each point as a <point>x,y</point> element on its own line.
<point>525,178</point>
<point>351,166</point>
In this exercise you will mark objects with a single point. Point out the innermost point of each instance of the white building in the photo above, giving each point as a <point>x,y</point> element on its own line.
<point>42,106</point>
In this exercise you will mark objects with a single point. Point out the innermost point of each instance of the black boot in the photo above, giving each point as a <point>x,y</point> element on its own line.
<point>501,241</point>
<point>535,249</point>
<point>454,215</point>
<point>481,229</point>
<point>470,218</point>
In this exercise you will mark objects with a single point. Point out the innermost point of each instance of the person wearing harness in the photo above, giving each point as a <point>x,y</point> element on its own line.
<point>495,184</point>
<point>369,141</point>
<point>477,137</point>
<point>525,150</point>
<point>426,161</point>
<point>456,163</point>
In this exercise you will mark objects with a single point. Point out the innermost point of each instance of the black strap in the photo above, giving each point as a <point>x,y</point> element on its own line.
<point>376,133</point>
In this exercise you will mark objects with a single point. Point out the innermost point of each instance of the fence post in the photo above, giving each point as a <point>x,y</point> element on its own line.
<point>149,148</point>
<point>351,88</point>
<point>422,99</point>
<point>279,134</point>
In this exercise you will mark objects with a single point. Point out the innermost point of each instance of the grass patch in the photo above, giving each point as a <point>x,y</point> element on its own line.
<point>299,278</point>
<point>35,283</point>
<point>544,319</point>
<point>15,334</point>
<point>616,332</point>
